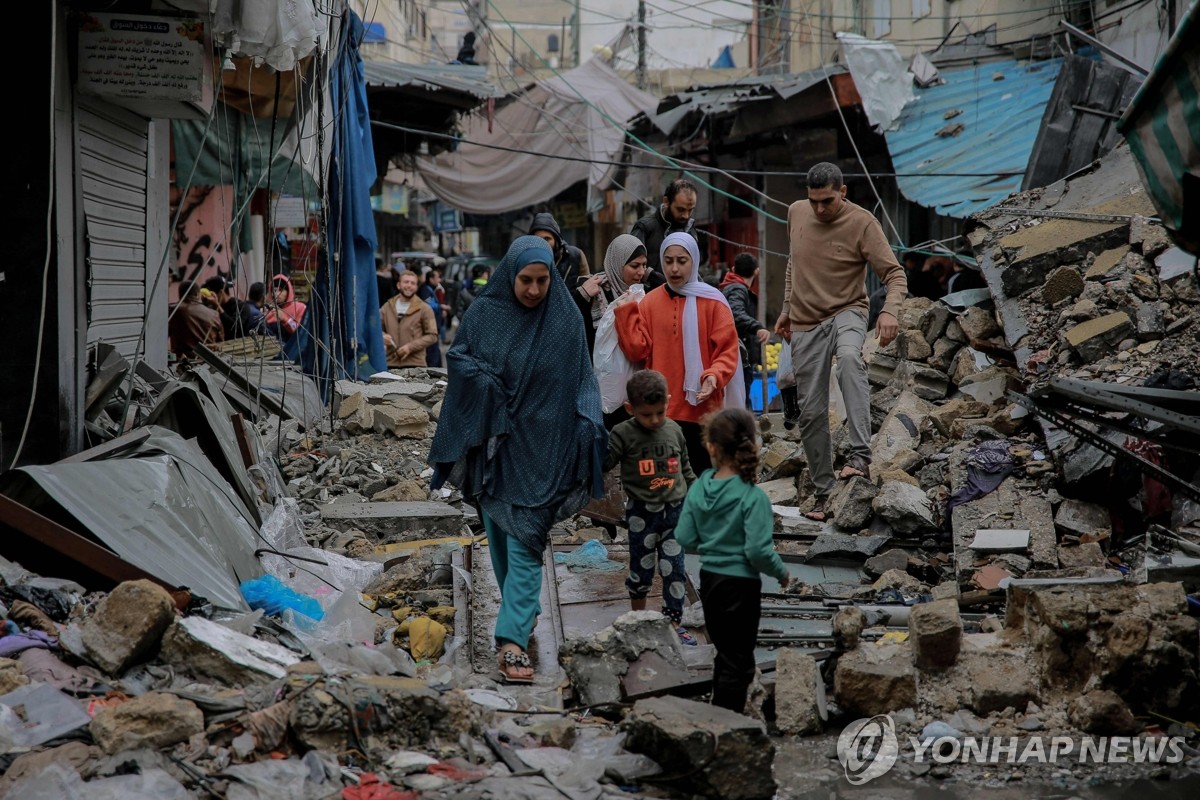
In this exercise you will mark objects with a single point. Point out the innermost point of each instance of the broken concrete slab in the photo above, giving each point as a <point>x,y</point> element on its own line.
<point>596,664</point>
<point>388,522</point>
<point>386,390</point>
<point>154,720</point>
<point>127,625</point>
<point>946,415</point>
<point>402,417</point>
<point>1034,251</point>
<point>978,324</point>
<point>988,386</point>
<point>1102,712</point>
<point>1062,284</point>
<point>1106,263</point>
<point>784,459</point>
<point>911,345</point>
<point>799,692</point>
<point>850,503</point>
<point>944,351</point>
<point>935,633</point>
<point>1079,518</point>
<point>887,560</point>
<point>1150,322</point>
<point>875,680</point>
<point>782,491</point>
<point>993,540</point>
<point>848,623</point>
<point>845,546</point>
<point>403,492</point>
<point>718,753</point>
<point>901,428</point>
<point>934,322</point>
<point>904,506</point>
<point>377,715</point>
<point>1085,554</point>
<point>1095,338</point>
<point>211,650</point>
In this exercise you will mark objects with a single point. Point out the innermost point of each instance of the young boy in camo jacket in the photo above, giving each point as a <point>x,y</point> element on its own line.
<point>656,475</point>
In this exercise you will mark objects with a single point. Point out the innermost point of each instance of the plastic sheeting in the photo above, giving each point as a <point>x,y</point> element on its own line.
<point>342,336</point>
<point>164,508</point>
<point>881,77</point>
<point>549,119</point>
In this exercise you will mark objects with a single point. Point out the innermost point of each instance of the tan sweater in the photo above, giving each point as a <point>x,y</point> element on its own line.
<point>826,264</point>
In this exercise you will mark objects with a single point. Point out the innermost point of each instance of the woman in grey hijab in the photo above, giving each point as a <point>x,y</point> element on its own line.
<point>624,265</point>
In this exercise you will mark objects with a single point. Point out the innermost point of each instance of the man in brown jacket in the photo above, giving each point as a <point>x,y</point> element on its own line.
<point>192,323</point>
<point>408,324</point>
<point>825,315</point>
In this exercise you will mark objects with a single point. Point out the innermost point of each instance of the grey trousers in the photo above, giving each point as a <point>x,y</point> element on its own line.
<point>812,357</point>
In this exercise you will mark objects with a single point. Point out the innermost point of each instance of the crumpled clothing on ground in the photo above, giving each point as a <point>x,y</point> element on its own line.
<point>988,464</point>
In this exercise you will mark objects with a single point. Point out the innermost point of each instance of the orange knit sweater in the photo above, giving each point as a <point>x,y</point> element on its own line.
<point>652,331</point>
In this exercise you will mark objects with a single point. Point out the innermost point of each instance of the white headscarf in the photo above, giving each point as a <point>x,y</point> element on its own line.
<point>693,360</point>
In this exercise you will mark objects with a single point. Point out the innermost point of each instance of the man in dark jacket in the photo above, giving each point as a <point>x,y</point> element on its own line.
<point>675,214</point>
<point>571,263</point>
<point>740,288</point>
<point>238,318</point>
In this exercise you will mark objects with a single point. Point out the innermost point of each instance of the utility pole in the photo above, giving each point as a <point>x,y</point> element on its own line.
<point>575,31</point>
<point>641,45</point>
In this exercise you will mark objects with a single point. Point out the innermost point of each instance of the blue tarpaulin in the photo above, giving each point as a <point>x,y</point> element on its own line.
<point>341,336</point>
<point>964,145</point>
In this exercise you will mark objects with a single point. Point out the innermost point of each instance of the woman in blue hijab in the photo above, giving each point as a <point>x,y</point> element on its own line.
<point>521,433</point>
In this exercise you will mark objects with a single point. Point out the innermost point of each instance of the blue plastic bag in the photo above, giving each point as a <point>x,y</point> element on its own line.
<point>591,556</point>
<point>274,597</point>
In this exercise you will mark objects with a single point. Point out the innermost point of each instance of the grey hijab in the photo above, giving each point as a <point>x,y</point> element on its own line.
<point>623,249</point>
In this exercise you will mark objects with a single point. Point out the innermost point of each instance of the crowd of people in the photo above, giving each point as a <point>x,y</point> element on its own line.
<point>523,434</point>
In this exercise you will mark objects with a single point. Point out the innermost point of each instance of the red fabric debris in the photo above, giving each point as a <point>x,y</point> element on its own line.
<point>456,773</point>
<point>370,787</point>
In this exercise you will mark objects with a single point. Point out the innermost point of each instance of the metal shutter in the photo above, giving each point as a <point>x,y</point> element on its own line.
<point>113,148</point>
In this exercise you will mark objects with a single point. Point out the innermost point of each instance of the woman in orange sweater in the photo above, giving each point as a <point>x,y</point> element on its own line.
<point>684,329</point>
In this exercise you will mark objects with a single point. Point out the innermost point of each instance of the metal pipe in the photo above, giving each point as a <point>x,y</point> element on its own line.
<point>1133,66</point>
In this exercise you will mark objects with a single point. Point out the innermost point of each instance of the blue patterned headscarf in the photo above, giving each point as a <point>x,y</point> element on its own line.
<point>521,432</point>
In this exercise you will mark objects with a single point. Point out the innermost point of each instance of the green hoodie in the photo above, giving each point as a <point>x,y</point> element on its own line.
<point>730,524</point>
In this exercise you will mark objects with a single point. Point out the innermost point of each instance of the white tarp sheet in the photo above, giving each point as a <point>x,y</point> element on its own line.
<point>881,77</point>
<point>549,119</point>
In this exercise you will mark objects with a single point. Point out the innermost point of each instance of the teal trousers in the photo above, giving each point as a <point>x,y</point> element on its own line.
<point>518,571</point>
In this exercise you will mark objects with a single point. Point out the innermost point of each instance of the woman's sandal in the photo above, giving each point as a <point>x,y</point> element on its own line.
<point>818,510</point>
<point>512,661</point>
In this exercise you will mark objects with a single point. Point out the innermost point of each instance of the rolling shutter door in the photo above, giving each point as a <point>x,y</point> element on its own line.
<point>113,145</point>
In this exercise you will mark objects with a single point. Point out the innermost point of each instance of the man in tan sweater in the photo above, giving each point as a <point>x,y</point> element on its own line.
<point>825,315</point>
<point>408,325</point>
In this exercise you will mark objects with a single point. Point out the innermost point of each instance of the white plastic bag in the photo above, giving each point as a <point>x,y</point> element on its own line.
<point>612,368</point>
<point>785,375</point>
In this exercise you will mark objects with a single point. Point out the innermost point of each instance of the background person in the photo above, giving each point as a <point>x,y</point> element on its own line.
<point>831,241</point>
<point>684,330</point>
<point>192,323</point>
<point>409,327</point>
<point>673,216</point>
<point>284,311</point>
<point>429,293</point>
<point>740,287</point>
<point>520,433</point>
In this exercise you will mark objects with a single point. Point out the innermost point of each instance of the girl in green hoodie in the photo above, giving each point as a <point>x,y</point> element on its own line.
<point>727,519</point>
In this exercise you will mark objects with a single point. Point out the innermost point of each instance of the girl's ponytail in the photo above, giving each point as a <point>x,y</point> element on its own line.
<point>732,432</point>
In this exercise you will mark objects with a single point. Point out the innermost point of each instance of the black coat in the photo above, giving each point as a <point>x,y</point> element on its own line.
<point>744,306</point>
<point>652,229</point>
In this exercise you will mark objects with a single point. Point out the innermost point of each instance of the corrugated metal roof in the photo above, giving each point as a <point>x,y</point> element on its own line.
<point>1000,118</point>
<point>711,100</point>
<point>462,78</point>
